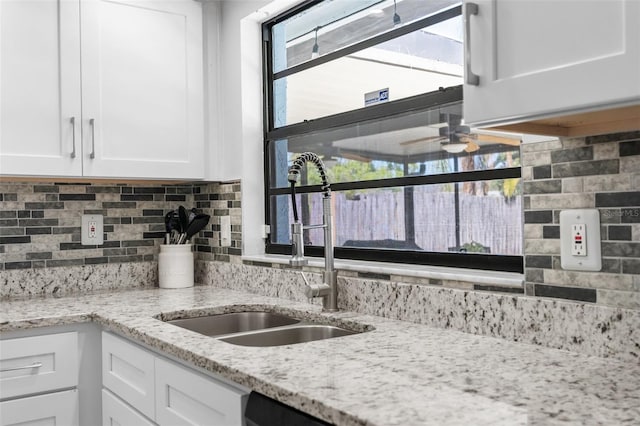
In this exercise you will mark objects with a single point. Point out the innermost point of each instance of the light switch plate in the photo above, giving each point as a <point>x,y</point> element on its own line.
<point>225,231</point>
<point>92,230</point>
<point>580,240</point>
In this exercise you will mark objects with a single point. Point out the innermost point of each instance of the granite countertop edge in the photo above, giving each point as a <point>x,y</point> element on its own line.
<point>399,373</point>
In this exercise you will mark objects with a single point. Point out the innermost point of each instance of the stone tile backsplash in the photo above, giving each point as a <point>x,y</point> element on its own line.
<point>218,200</point>
<point>40,223</point>
<point>601,172</point>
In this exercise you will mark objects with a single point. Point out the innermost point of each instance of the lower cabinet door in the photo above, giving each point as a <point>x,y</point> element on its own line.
<point>38,364</point>
<point>59,408</point>
<point>115,412</point>
<point>186,397</point>
<point>127,371</point>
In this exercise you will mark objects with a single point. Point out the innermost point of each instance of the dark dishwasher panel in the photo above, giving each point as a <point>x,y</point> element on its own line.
<point>264,411</point>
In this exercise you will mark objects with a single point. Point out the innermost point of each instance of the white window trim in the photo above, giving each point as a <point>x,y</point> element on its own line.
<point>475,276</point>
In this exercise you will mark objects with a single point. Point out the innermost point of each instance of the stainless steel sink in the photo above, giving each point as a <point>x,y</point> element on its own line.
<point>237,322</point>
<point>288,335</point>
<point>263,328</point>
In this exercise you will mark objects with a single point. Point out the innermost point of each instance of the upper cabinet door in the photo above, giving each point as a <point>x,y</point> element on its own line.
<point>40,88</point>
<point>537,59</point>
<point>142,89</point>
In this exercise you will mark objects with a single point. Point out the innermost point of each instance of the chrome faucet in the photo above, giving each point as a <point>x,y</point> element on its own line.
<point>328,290</point>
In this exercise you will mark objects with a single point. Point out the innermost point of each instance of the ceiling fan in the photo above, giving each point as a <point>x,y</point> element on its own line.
<point>456,138</point>
<point>331,154</point>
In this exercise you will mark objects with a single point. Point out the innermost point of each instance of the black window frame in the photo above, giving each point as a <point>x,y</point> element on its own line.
<point>422,102</point>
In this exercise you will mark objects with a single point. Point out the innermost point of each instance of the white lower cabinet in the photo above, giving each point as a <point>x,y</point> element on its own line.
<point>141,384</point>
<point>186,397</point>
<point>37,364</point>
<point>128,371</point>
<point>59,408</point>
<point>115,412</point>
<point>43,365</point>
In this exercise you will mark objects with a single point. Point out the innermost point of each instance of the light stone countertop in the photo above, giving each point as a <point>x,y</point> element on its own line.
<point>401,373</point>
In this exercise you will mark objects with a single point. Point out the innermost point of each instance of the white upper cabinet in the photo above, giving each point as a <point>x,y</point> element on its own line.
<point>142,87</point>
<point>134,67</point>
<point>40,88</point>
<point>536,61</point>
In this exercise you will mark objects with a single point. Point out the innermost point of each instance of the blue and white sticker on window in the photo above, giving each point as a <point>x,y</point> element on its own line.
<point>376,97</point>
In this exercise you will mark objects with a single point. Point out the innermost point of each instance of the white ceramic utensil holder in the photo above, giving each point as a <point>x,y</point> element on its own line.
<point>175,266</point>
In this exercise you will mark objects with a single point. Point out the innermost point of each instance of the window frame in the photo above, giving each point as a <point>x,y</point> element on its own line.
<point>421,102</point>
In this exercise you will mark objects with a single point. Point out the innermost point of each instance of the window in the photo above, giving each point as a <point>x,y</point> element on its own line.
<point>374,88</point>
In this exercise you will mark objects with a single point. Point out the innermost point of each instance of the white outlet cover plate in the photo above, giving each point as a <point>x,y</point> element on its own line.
<point>225,231</point>
<point>591,219</point>
<point>98,220</point>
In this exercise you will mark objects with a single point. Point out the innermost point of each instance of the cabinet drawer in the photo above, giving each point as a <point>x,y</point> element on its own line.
<point>117,412</point>
<point>38,364</point>
<point>127,371</point>
<point>185,397</point>
<point>60,408</point>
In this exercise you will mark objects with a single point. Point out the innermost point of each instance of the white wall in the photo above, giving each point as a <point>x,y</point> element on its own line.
<point>234,86</point>
<point>224,51</point>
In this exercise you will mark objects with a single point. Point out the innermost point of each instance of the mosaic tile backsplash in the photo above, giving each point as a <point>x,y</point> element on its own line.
<point>599,172</point>
<point>40,223</point>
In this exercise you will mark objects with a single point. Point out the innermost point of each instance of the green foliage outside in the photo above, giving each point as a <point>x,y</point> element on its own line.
<point>474,247</point>
<point>353,171</point>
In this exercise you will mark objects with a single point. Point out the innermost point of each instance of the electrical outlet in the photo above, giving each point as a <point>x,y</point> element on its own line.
<point>92,230</point>
<point>266,230</point>
<point>580,240</point>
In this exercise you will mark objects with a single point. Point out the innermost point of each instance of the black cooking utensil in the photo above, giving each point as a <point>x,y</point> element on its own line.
<point>167,221</point>
<point>172,226</point>
<point>192,214</point>
<point>172,221</point>
<point>198,223</point>
<point>184,219</point>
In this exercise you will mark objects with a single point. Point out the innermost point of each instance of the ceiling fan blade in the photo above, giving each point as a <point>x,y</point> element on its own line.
<point>496,139</point>
<point>471,146</point>
<point>353,156</point>
<point>428,138</point>
<point>329,153</point>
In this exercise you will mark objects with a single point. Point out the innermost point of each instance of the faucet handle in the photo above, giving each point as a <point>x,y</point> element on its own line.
<point>314,290</point>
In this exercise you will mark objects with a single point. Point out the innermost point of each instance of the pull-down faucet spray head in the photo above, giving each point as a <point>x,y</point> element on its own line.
<point>297,240</point>
<point>298,163</point>
<point>328,290</point>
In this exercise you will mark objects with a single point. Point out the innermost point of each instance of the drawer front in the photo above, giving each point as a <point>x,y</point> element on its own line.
<point>127,371</point>
<point>59,408</point>
<point>117,413</point>
<point>185,397</point>
<point>38,364</point>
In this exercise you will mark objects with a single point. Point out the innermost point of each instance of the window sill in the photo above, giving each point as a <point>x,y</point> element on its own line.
<point>476,276</point>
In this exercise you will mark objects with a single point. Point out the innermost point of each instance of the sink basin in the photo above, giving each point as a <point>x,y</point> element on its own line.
<point>264,328</point>
<point>237,322</point>
<point>288,335</point>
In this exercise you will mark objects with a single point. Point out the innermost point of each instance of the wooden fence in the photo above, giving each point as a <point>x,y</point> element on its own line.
<point>487,220</point>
